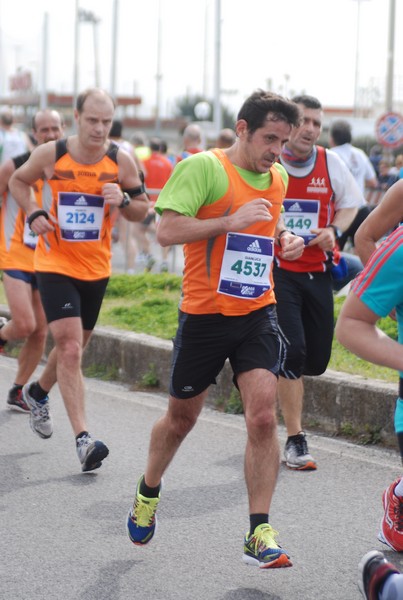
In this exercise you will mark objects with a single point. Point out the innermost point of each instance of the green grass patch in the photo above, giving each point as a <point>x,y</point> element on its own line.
<point>101,372</point>
<point>150,379</point>
<point>143,303</point>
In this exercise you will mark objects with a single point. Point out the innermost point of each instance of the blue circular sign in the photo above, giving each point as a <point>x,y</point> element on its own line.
<point>389,130</point>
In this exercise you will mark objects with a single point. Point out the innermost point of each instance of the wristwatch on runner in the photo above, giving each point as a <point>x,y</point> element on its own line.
<point>125,200</point>
<point>337,232</point>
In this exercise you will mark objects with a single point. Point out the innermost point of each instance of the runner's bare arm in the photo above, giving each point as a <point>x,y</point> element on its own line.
<point>175,228</point>
<point>6,170</point>
<point>41,159</point>
<point>129,181</point>
<point>380,221</point>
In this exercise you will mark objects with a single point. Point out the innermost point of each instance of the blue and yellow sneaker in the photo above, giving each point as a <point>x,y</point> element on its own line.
<point>261,549</point>
<point>142,520</point>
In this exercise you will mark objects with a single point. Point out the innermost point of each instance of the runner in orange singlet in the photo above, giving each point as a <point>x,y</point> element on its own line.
<point>225,207</point>
<point>89,177</point>
<point>17,245</point>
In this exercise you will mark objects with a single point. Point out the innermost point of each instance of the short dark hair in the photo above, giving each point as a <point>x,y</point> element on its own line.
<point>7,118</point>
<point>116,129</point>
<point>259,104</point>
<point>341,132</point>
<point>307,101</point>
<point>155,144</point>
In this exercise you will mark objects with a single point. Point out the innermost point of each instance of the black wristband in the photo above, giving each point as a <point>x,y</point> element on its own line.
<point>35,215</point>
<point>137,191</point>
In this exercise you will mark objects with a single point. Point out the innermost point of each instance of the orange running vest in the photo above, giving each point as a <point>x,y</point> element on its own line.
<point>80,246</point>
<point>17,242</point>
<point>232,274</point>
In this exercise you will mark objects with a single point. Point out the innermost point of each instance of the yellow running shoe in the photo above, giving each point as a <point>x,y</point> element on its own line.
<point>261,549</point>
<point>142,520</point>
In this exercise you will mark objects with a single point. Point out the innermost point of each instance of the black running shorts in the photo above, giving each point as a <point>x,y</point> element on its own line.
<point>306,320</point>
<point>204,342</point>
<point>64,297</point>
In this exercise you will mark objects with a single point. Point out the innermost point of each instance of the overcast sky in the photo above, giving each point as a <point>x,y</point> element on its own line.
<point>292,45</point>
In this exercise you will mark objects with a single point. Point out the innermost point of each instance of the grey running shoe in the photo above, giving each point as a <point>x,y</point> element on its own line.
<point>15,401</point>
<point>39,419</point>
<point>3,321</point>
<point>150,262</point>
<point>90,452</point>
<point>297,454</point>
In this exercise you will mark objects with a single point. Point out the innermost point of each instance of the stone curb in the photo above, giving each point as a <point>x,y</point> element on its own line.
<point>336,403</point>
<point>333,401</point>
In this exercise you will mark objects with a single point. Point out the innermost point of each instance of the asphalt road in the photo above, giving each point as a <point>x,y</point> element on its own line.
<point>63,532</point>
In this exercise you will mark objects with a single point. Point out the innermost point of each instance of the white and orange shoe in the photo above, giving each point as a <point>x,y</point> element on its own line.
<point>297,455</point>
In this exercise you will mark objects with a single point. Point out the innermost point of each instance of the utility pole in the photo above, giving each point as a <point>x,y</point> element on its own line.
<point>85,16</point>
<point>217,78</point>
<point>357,60</point>
<point>114,45</point>
<point>158,76</point>
<point>44,70</point>
<point>390,57</point>
<point>76,52</point>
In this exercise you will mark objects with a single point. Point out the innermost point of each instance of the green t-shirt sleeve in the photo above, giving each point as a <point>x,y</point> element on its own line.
<point>283,173</point>
<point>200,180</point>
<point>196,181</point>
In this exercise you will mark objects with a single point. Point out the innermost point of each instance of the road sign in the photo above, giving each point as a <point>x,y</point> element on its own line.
<point>389,130</point>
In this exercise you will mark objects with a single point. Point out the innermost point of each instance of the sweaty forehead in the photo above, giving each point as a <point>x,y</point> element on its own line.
<point>276,124</point>
<point>311,114</point>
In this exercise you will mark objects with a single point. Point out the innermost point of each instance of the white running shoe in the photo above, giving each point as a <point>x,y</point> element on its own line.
<point>39,418</point>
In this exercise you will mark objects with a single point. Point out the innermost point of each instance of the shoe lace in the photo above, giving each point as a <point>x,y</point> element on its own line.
<point>264,538</point>
<point>144,512</point>
<point>42,411</point>
<point>301,445</point>
<point>84,441</point>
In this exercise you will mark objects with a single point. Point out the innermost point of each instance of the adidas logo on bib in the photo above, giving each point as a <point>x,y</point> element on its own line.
<point>254,247</point>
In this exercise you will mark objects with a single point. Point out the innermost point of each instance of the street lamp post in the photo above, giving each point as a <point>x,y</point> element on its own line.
<point>390,57</point>
<point>217,78</point>
<point>357,61</point>
<point>158,76</point>
<point>44,70</point>
<point>114,46</point>
<point>84,16</point>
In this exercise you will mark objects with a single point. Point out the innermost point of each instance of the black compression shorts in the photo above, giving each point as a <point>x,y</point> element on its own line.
<point>306,318</point>
<point>64,297</point>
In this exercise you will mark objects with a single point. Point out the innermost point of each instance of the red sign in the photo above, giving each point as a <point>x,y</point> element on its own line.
<point>21,81</point>
<point>389,130</point>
